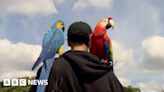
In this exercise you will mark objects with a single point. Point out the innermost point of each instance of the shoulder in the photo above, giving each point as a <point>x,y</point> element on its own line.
<point>59,63</point>
<point>60,66</point>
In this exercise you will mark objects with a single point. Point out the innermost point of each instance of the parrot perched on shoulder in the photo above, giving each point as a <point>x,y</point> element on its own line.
<point>100,43</point>
<point>52,44</point>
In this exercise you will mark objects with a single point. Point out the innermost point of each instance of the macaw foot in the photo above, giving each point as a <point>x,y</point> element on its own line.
<point>105,61</point>
<point>111,63</point>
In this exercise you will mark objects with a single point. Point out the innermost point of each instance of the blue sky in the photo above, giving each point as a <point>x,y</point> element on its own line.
<point>138,38</point>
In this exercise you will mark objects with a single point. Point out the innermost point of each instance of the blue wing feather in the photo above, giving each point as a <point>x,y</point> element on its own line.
<point>52,41</point>
<point>108,52</point>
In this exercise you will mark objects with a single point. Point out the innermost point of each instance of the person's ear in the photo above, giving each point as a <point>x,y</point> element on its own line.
<point>89,42</point>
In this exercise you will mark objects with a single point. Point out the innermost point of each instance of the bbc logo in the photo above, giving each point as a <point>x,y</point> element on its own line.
<point>14,82</point>
<point>23,82</point>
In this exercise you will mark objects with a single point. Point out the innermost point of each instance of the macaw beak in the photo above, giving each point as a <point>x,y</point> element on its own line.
<point>63,28</point>
<point>111,23</point>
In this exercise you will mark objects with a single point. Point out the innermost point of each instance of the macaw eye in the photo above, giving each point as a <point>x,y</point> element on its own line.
<point>105,21</point>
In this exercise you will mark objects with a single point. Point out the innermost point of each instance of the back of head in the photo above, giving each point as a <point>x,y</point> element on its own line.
<point>79,32</point>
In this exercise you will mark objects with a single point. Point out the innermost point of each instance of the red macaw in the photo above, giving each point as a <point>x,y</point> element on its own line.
<point>100,43</point>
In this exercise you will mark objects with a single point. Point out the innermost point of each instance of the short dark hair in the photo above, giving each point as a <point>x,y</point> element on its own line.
<point>79,33</point>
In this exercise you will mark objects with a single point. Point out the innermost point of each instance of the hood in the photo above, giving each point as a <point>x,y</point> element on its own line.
<point>86,65</point>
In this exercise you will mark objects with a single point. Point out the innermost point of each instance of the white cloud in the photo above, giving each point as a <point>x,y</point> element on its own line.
<point>17,74</point>
<point>100,3</point>
<point>154,46</point>
<point>125,82</point>
<point>17,57</point>
<point>81,4</point>
<point>123,57</point>
<point>153,53</point>
<point>28,7</point>
<point>151,86</point>
<point>125,62</point>
<point>59,1</point>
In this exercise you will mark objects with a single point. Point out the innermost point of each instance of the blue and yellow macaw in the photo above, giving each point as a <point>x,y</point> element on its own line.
<point>52,44</point>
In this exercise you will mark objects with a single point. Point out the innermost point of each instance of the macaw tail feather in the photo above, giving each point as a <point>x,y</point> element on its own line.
<point>45,65</point>
<point>39,60</point>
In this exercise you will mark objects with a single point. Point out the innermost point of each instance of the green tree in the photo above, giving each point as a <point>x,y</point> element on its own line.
<point>131,89</point>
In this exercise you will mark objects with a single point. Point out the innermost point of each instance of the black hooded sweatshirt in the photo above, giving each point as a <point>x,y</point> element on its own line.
<point>78,71</point>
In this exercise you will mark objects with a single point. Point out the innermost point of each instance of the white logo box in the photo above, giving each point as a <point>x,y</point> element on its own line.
<point>14,82</point>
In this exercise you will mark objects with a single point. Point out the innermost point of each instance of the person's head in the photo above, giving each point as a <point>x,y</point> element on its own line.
<point>78,34</point>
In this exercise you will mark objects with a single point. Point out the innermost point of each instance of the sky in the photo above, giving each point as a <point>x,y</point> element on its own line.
<point>138,38</point>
